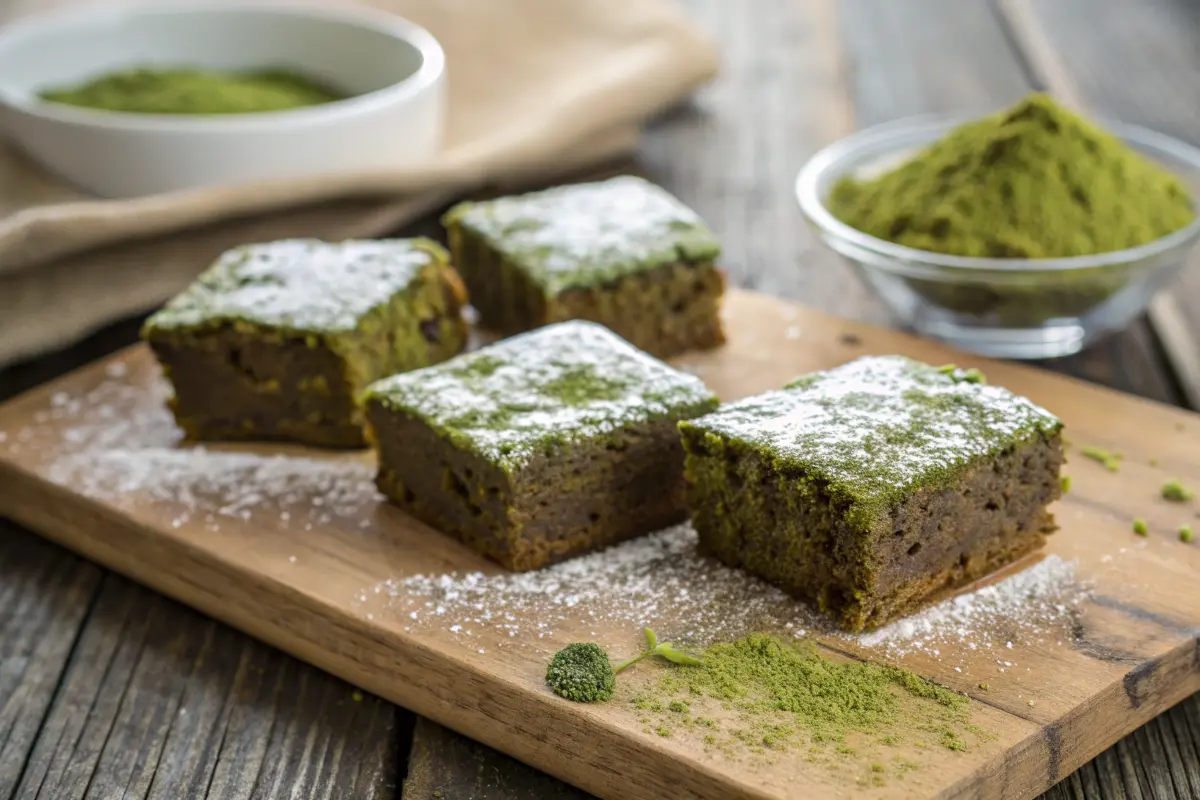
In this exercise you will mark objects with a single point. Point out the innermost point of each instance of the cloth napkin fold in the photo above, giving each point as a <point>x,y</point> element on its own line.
<point>537,89</point>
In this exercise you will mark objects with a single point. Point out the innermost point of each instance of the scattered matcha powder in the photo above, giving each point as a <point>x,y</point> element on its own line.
<point>1065,481</point>
<point>1176,492</point>
<point>777,689</point>
<point>1110,460</point>
<point>356,696</point>
<point>1185,534</point>
<point>1140,527</point>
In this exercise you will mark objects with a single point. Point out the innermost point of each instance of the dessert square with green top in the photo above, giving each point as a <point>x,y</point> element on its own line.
<point>540,447</point>
<point>623,253</point>
<point>870,488</point>
<point>277,341</point>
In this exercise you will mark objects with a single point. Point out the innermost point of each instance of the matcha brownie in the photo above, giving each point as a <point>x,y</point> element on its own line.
<point>540,447</point>
<point>622,252</point>
<point>277,341</point>
<point>869,488</point>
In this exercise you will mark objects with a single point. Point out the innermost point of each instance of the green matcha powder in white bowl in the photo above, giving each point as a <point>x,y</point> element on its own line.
<point>341,92</point>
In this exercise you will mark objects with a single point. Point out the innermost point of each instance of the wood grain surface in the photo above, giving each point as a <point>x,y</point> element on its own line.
<point>796,74</point>
<point>1128,654</point>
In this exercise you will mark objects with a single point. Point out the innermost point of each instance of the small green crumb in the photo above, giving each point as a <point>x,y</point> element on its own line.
<point>1178,426</point>
<point>983,686</point>
<point>877,780</point>
<point>1065,482</point>
<point>356,696</point>
<point>971,375</point>
<point>877,768</point>
<point>1175,491</point>
<point>679,706</point>
<point>1154,462</point>
<point>1185,534</point>
<point>1110,460</point>
<point>710,739</point>
<point>663,731</point>
<point>845,750</point>
<point>1140,527</point>
<point>890,740</point>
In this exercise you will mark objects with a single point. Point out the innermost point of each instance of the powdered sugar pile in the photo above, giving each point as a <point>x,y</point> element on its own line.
<point>1029,606</point>
<point>658,581</point>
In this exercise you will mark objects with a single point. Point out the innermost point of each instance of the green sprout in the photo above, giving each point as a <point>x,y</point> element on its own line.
<point>657,648</point>
<point>582,672</point>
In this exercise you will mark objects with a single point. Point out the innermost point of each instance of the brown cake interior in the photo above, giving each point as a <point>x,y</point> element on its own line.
<point>553,508</point>
<point>230,385</point>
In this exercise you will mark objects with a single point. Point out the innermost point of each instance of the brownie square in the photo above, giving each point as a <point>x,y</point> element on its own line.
<point>869,488</point>
<point>540,447</point>
<point>277,341</point>
<point>623,253</point>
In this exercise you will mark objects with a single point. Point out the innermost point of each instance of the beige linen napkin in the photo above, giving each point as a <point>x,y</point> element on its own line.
<point>536,89</point>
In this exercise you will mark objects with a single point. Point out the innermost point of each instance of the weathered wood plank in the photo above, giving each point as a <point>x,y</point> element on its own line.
<point>1139,62</point>
<point>45,594</point>
<point>734,153</point>
<point>156,701</point>
<point>446,766</point>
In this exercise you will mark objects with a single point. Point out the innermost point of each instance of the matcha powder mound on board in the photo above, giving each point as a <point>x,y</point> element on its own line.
<point>778,688</point>
<point>194,91</point>
<point>1035,181</point>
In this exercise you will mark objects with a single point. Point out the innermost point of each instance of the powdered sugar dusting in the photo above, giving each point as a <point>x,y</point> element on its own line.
<point>662,581</point>
<point>658,580</point>
<point>118,443</point>
<point>1029,606</point>
<point>202,485</point>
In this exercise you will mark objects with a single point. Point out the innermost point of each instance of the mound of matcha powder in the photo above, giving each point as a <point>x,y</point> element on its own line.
<point>1035,181</point>
<point>779,689</point>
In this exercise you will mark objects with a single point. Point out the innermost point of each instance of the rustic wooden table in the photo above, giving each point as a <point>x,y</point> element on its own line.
<point>108,690</point>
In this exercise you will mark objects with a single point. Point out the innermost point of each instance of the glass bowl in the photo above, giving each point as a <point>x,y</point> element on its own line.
<point>1000,307</point>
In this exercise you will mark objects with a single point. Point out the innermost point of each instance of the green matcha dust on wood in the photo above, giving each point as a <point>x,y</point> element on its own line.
<point>764,694</point>
<point>1034,181</point>
<point>194,91</point>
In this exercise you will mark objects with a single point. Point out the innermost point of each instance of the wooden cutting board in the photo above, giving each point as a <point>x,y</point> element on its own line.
<point>293,547</point>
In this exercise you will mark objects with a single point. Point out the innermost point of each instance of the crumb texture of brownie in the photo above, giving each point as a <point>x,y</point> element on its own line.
<point>623,253</point>
<point>870,488</point>
<point>540,447</point>
<point>276,341</point>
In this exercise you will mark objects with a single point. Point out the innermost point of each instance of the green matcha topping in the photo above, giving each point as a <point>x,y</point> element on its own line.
<point>879,428</point>
<point>581,672</point>
<point>1034,181</point>
<point>1140,527</point>
<point>779,690</point>
<point>1185,534</point>
<point>1110,460</point>
<point>1176,492</point>
<point>568,383</point>
<point>302,285</point>
<point>588,234</point>
<point>194,91</point>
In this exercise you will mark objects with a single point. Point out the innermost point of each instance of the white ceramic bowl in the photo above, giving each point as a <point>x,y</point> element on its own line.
<point>393,68</point>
